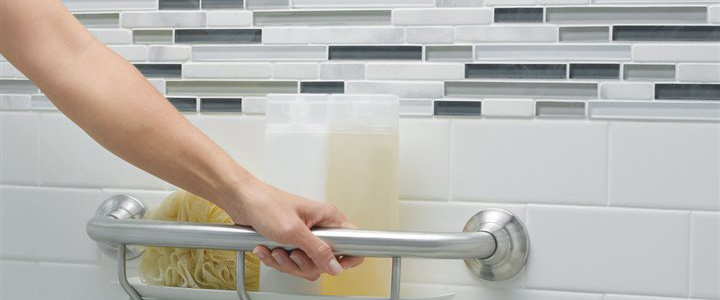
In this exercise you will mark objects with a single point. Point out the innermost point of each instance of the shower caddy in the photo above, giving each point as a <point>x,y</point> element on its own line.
<point>494,243</point>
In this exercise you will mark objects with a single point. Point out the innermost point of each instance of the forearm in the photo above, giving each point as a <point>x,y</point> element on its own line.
<point>109,99</point>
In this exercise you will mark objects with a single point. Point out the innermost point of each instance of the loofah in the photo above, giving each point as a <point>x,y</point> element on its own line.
<point>194,268</point>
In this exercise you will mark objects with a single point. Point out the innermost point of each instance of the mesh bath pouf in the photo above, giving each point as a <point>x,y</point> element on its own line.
<point>194,268</point>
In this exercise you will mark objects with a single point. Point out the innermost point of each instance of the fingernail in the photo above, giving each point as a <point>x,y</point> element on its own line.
<point>335,267</point>
<point>259,254</point>
<point>297,260</point>
<point>278,258</point>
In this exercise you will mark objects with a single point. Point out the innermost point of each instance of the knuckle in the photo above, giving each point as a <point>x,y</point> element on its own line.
<point>323,250</point>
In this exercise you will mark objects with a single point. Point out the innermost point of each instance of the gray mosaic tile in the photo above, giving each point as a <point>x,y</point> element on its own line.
<point>518,71</point>
<point>222,4</point>
<point>648,72</point>
<point>221,105</point>
<point>594,71</point>
<point>560,109</point>
<point>160,70</point>
<point>585,34</point>
<point>519,15</point>
<point>543,90</point>
<point>667,33</point>
<point>179,4</point>
<point>448,53</point>
<point>675,91</point>
<point>184,104</point>
<point>457,108</point>
<point>322,17</point>
<point>322,87</point>
<point>99,20</point>
<point>375,52</point>
<point>218,36</point>
<point>152,36</point>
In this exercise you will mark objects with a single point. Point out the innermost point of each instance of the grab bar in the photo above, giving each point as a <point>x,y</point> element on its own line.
<point>494,243</point>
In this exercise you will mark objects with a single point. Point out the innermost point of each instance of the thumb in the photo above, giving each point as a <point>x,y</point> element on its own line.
<point>319,251</point>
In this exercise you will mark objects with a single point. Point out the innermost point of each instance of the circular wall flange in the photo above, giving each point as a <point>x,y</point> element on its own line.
<point>512,244</point>
<point>121,207</point>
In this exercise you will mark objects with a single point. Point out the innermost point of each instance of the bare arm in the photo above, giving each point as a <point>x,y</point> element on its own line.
<point>112,101</point>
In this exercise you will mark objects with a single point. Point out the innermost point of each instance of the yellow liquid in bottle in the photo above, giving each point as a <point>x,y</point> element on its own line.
<point>362,181</point>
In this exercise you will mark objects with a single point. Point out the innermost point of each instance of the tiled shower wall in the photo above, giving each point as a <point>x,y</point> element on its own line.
<point>597,122</point>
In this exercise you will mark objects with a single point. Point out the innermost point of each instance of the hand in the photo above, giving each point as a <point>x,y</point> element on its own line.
<point>286,218</point>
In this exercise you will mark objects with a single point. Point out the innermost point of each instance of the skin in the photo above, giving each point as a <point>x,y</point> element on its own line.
<point>113,102</point>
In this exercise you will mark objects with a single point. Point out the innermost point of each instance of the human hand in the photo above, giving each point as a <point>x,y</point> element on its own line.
<point>286,218</point>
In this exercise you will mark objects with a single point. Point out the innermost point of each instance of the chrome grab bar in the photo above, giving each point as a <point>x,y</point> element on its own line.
<point>494,243</point>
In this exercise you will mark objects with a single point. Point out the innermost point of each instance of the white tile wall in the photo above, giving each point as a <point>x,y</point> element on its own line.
<point>162,19</point>
<point>227,70</point>
<point>664,165</point>
<point>424,157</point>
<point>411,71</point>
<point>528,161</point>
<point>442,16</point>
<point>611,250</point>
<point>705,261</point>
<point>506,33</point>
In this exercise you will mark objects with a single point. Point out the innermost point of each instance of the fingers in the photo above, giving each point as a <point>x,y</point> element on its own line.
<point>319,252</point>
<point>349,262</point>
<point>280,260</point>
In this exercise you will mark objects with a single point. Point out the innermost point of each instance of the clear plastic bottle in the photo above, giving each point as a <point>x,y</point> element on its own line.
<point>295,161</point>
<point>362,180</point>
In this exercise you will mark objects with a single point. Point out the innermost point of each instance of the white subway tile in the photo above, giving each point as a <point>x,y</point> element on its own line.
<point>535,52</point>
<point>75,281</point>
<point>113,36</point>
<point>14,102</point>
<point>676,53</point>
<point>549,161</point>
<point>295,70</point>
<point>442,16</point>
<point>361,3</point>
<point>431,216</point>
<point>344,71</point>
<point>150,198</point>
<point>416,107</point>
<point>609,250</point>
<point>424,158</point>
<point>111,5</point>
<point>162,19</point>
<point>18,280</point>
<point>285,35</point>
<point>58,234</point>
<point>506,33</point>
<point>626,90</point>
<point>714,13</point>
<point>69,157</point>
<point>664,165</point>
<point>7,70</point>
<point>227,70</point>
<point>512,108</point>
<point>253,105</point>
<point>635,297</point>
<point>421,90</point>
<point>705,261</point>
<point>18,150</point>
<point>248,151</point>
<point>357,35</point>
<point>256,52</point>
<point>229,18</point>
<point>429,35</point>
<point>699,72</point>
<point>131,52</point>
<point>410,71</point>
<point>169,53</point>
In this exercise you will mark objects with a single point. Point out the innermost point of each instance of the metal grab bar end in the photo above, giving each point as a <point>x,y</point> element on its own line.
<point>121,207</point>
<point>512,244</point>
